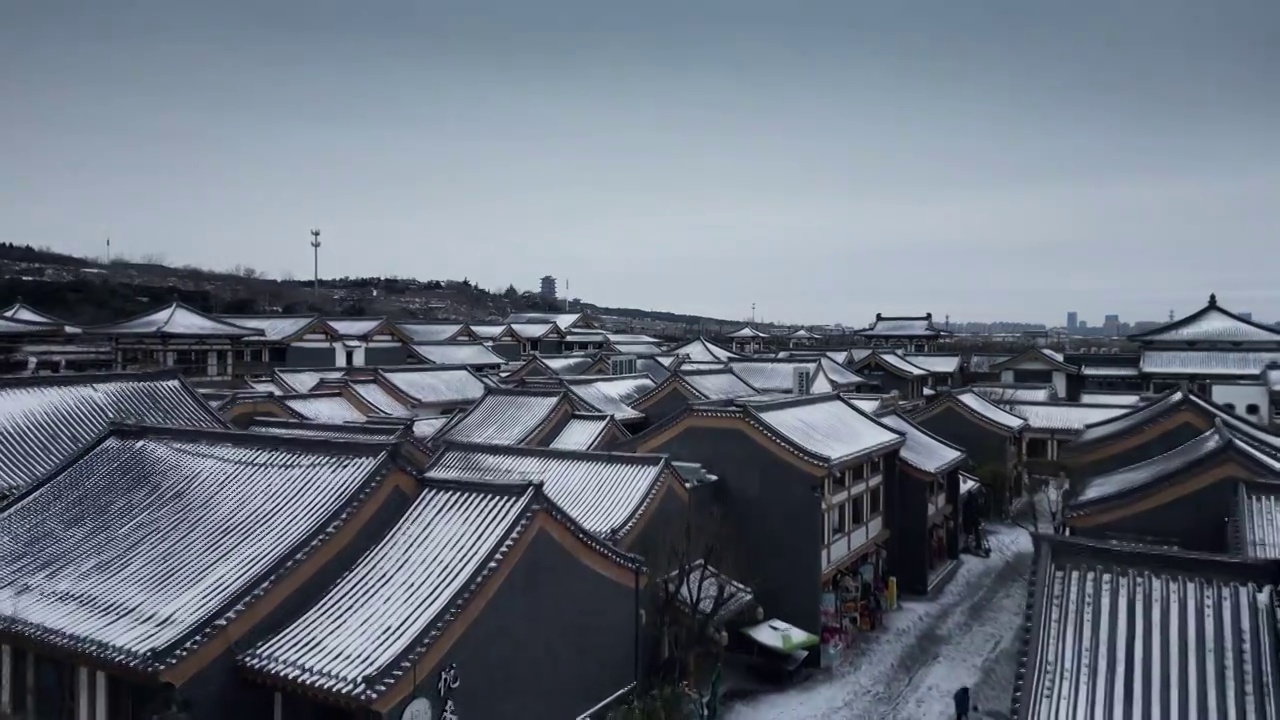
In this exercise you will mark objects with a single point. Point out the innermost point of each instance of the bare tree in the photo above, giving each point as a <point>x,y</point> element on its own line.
<point>691,601</point>
<point>152,258</point>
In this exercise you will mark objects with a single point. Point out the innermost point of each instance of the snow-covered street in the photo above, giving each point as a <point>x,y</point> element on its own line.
<point>968,635</point>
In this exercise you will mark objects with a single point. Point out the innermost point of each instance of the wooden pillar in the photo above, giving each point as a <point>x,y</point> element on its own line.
<point>100,696</point>
<point>6,679</point>
<point>31,684</point>
<point>83,694</point>
<point>277,712</point>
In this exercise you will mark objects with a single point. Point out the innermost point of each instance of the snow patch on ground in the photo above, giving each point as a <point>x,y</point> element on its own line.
<point>968,635</point>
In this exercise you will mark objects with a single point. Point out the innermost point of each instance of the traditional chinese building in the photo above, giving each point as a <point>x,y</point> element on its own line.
<point>411,630</point>
<point>989,434</point>
<point>911,333</point>
<point>807,477</point>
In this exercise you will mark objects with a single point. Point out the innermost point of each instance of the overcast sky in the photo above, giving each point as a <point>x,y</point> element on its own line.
<point>824,160</point>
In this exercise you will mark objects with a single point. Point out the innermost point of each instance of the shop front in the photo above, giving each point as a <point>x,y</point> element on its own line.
<point>854,599</point>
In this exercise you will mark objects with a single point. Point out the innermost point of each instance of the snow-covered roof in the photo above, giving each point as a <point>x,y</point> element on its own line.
<point>636,349</point>
<point>1134,419</point>
<point>1063,416</point>
<point>1016,392</point>
<point>45,419</point>
<point>705,588</point>
<point>631,339</point>
<point>150,540</point>
<point>1036,356</point>
<point>566,365</point>
<point>1110,371</point>
<point>401,596</point>
<point>355,327</point>
<point>435,385</point>
<point>332,431</point>
<point>1210,323</point>
<point>917,326</point>
<point>456,353</point>
<point>176,320</point>
<point>722,384</point>
<point>23,313</point>
<point>825,426</point>
<point>301,380</point>
<point>703,350</point>
<point>487,332</point>
<point>1107,397</point>
<point>867,403</point>
<point>981,362</point>
<point>1130,632</point>
<point>533,331</point>
<point>611,394</point>
<point>430,332</point>
<point>975,406</point>
<point>923,450</point>
<point>328,406</point>
<point>425,428</point>
<point>1229,363</point>
<point>508,416</point>
<point>746,332</point>
<point>891,361</point>
<point>801,334</point>
<point>604,492</point>
<point>585,431</point>
<point>657,367</point>
<point>935,363</point>
<point>266,385</point>
<point>373,394</point>
<point>564,321</point>
<point>274,328</point>
<point>1109,486</point>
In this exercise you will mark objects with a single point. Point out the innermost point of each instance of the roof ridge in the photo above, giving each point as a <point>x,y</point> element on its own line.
<point>594,455</point>
<point>231,436</point>
<point>91,378</point>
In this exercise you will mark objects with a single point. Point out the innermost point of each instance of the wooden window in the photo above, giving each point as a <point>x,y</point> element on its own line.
<point>857,472</point>
<point>836,522</point>
<point>857,509</point>
<point>875,501</point>
<point>1251,409</point>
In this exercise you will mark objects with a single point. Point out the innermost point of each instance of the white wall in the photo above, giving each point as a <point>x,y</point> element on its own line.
<point>1241,396</point>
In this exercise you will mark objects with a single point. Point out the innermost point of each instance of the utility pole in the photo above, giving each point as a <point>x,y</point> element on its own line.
<point>753,313</point>
<point>108,249</point>
<point>315,246</point>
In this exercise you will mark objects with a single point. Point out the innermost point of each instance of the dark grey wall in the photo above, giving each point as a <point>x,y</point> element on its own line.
<point>984,446</point>
<point>374,356</point>
<point>669,404</point>
<point>1033,376</point>
<point>555,639</point>
<point>1196,521</point>
<point>911,530</point>
<point>660,541</point>
<point>776,511</point>
<point>508,350</point>
<point>309,356</point>
<point>888,381</point>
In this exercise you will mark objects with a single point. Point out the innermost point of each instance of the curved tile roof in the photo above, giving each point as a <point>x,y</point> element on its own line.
<point>46,419</point>
<point>137,547</point>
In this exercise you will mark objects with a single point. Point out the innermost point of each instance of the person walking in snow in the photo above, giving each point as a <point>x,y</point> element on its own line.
<point>962,703</point>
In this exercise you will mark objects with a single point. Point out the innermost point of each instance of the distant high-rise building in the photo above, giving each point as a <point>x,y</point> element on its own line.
<point>1111,325</point>
<point>1246,316</point>
<point>1073,319</point>
<point>1082,324</point>
<point>548,290</point>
